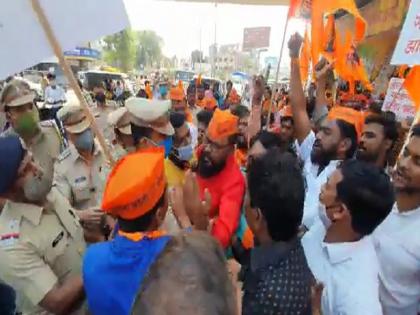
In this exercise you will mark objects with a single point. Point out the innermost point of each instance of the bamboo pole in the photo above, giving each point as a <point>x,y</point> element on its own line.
<point>55,45</point>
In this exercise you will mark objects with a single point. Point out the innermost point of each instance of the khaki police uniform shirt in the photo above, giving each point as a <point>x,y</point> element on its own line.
<point>81,183</point>
<point>40,247</point>
<point>45,146</point>
<point>101,117</point>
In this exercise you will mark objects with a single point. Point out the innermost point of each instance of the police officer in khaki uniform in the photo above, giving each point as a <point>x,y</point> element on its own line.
<point>103,108</point>
<point>81,170</point>
<point>41,243</point>
<point>119,120</point>
<point>41,138</point>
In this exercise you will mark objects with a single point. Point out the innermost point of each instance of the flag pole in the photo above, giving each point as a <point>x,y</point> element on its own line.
<point>55,45</point>
<point>278,70</point>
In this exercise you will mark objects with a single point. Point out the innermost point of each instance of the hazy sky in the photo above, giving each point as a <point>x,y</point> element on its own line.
<point>180,23</point>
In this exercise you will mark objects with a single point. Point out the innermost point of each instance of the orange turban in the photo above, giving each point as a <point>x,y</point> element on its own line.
<point>135,184</point>
<point>223,124</point>
<point>348,115</point>
<point>234,97</point>
<point>209,103</point>
<point>177,93</point>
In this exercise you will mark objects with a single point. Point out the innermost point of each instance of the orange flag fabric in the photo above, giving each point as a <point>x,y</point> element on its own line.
<point>305,58</point>
<point>412,85</point>
<point>321,7</point>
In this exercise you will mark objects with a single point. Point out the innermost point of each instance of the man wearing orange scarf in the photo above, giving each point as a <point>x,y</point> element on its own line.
<point>136,195</point>
<point>219,174</point>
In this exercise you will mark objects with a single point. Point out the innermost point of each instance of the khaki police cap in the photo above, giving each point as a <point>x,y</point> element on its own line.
<point>73,118</point>
<point>16,93</point>
<point>150,113</point>
<point>120,119</point>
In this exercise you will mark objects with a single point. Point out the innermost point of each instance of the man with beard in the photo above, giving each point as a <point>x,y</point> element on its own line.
<point>241,152</point>
<point>219,175</point>
<point>379,135</point>
<point>397,239</point>
<point>336,140</point>
<point>41,244</point>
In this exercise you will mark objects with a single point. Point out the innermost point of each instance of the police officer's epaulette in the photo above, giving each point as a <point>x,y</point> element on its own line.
<point>65,154</point>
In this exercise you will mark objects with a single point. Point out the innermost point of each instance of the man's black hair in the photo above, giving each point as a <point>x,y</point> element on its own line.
<point>415,132</point>
<point>276,187</point>
<point>240,111</point>
<point>191,89</point>
<point>367,193</point>
<point>347,130</point>
<point>376,107</point>
<point>141,224</point>
<point>204,117</point>
<point>138,133</point>
<point>286,119</point>
<point>387,122</point>
<point>229,82</point>
<point>177,119</point>
<point>268,140</point>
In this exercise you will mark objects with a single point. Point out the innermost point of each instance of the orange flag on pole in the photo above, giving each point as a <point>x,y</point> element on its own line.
<point>412,85</point>
<point>305,58</point>
<point>321,7</point>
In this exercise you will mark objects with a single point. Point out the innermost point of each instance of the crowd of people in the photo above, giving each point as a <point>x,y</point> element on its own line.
<point>296,204</point>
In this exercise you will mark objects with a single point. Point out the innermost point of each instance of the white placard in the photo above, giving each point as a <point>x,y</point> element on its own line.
<point>407,51</point>
<point>398,101</point>
<point>23,43</point>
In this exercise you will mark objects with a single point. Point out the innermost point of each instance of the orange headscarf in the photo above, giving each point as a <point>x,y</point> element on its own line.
<point>177,93</point>
<point>135,184</point>
<point>149,92</point>
<point>209,103</point>
<point>223,124</point>
<point>348,115</point>
<point>234,97</point>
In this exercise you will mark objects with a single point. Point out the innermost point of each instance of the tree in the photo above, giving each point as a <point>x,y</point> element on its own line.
<point>120,50</point>
<point>149,49</point>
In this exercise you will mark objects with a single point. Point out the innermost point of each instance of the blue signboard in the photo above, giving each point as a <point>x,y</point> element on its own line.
<point>83,52</point>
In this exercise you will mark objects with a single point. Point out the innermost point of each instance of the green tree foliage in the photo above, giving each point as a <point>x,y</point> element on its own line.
<point>120,50</point>
<point>149,49</point>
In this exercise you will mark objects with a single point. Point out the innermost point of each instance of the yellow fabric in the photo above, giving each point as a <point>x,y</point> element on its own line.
<point>174,175</point>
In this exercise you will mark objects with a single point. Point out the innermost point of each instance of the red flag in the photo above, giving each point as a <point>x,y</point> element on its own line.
<point>412,84</point>
<point>293,8</point>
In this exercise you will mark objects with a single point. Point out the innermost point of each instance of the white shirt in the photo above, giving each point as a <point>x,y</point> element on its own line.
<point>54,95</point>
<point>349,272</point>
<point>314,182</point>
<point>194,134</point>
<point>397,243</point>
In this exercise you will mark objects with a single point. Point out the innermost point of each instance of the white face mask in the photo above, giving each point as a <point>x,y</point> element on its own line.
<point>322,213</point>
<point>37,186</point>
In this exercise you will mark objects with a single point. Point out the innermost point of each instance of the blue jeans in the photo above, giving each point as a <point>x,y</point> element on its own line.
<point>7,300</point>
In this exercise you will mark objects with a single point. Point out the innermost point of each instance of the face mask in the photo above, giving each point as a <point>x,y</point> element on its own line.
<point>27,124</point>
<point>322,213</point>
<point>36,187</point>
<point>84,141</point>
<point>167,144</point>
<point>185,153</point>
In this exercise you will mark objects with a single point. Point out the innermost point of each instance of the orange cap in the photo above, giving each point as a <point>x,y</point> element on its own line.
<point>349,115</point>
<point>223,124</point>
<point>135,184</point>
<point>234,97</point>
<point>177,93</point>
<point>209,103</point>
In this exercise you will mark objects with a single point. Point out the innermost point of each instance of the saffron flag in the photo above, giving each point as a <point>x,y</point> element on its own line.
<point>412,84</point>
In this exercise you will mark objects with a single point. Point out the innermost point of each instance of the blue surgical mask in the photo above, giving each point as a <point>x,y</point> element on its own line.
<point>84,140</point>
<point>185,153</point>
<point>167,144</point>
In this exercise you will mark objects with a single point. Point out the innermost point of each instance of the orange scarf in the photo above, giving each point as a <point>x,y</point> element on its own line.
<point>138,236</point>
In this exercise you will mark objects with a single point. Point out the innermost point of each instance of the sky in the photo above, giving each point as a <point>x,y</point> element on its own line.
<point>185,26</point>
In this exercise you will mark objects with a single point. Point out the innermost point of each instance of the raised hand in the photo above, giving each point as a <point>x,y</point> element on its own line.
<point>295,44</point>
